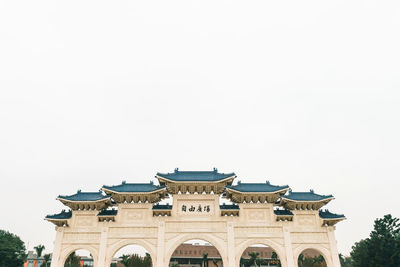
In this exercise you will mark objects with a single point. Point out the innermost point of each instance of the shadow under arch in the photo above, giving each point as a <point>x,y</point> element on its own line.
<point>324,252</point>
<point>279,250</point>
<point>218,244</point>
<point>113,249</point>
<point>68,250</point>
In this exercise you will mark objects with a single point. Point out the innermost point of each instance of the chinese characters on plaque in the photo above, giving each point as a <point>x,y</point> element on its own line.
<point>196,208</point>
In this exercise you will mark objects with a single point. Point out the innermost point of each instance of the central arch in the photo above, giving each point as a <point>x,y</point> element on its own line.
<point>113,249</point>
<point>267,242</point>
<point>210,238</point>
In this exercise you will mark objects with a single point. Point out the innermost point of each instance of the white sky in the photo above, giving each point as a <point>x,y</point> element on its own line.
<point>304,93</point>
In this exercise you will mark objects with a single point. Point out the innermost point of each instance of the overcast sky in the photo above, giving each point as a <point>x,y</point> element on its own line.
<point>304,93</point>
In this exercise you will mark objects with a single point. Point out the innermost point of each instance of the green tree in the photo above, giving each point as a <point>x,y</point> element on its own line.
<point>12,250</point>
<point>253,258</point>
<point>46,260</point>
<point>125,259</point>
<point>147,261</point>
<point>205,259</point>
<point>345,261</point>
<point>381,248</point>
<point>73,260</point>
<point>39,249</point>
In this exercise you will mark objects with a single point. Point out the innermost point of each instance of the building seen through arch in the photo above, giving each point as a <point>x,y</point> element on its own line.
<point>237,218</point>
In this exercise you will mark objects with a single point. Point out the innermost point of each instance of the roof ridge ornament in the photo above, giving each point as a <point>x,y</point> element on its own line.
<point>312,191</point>
<point>123,182</point>
<point>239,182</point>
<point>176,170</point>
<point>151,182</point>
<point>79,191</point>
<point>267,182</point>
<point>215,170</point>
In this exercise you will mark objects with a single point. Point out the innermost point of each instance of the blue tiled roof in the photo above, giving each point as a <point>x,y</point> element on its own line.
<point>133,187</point>
<point>283,212</point>
<point>106,212</point>
<point>162,207</point>
<point>85,196</point>
<point>326,214</point>
<point>228,207</point>
<point>63,215</point>
<point>206,176</point>
<point>257,187</point>
<point>306,196</point>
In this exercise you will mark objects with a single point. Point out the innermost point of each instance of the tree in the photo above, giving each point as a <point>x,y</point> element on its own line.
<point>253,258</point>
<point>46,260</point>
<point>39,249</point>
<point>205,259</point>
<point>73,260</point>
<point>382,247</point>
<point>125,259</point>
<point>12,250</point>
<point>345,261</point>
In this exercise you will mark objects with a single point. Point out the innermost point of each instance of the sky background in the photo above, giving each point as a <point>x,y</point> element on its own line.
<point>304,93</point>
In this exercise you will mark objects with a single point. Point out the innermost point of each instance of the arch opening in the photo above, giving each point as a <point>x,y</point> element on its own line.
<point>311,258</point>
<point>259,255</point>
<point>196,253</point>
<point>131,256</point>
<point>79,258</point>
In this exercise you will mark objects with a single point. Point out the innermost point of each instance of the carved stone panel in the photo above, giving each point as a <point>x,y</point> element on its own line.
<point>303,238</point>
<point>125,232</point>
<point>81,237</point>
<point>85,220</point>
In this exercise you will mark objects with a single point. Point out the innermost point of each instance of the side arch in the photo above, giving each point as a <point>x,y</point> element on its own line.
<point>324,252</point>
<point>111,250</point>
<point>279,249</point>
<point>216,242</point>
<point>65,252</point>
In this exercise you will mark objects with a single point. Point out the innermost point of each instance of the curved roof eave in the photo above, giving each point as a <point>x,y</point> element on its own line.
<point>196,181</point>
<point>262,192</point>
<point>119,192</point>
<point>320,200</point>
<point>80,201</point>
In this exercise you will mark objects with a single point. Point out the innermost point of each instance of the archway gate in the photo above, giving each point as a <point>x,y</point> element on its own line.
<point>287,221</point>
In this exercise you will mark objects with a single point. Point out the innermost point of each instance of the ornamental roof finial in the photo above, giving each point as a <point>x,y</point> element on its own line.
<point>239,182</point>
<point>176,170</point>
<point>151,182</point>
<point>123,182</point>
<point>312,191</point>
<point>267,182</point>
<point>215,170</point>
<point>79,191</point>
<point>290,190</point>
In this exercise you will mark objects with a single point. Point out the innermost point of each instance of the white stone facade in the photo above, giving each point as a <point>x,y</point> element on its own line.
<point>134,223</point>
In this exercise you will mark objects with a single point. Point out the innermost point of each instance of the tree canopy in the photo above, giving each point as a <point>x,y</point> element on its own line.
<point>12,250</point>
<point>381,248</point>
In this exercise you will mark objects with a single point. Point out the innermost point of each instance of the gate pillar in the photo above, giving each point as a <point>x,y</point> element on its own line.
<point>161,261</point>
<point>288,248</point>
<point>57,247</point>
<point>103,248</point>
<point>333,245</point>
<point>231,245</point>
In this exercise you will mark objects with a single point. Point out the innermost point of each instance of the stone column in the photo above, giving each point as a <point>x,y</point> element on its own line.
<point>231,245</point>
<point>288,248</point>
<point>101,261</point>
<point>55,258</point>
<point>333,245</point>
<point>161,246</point>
